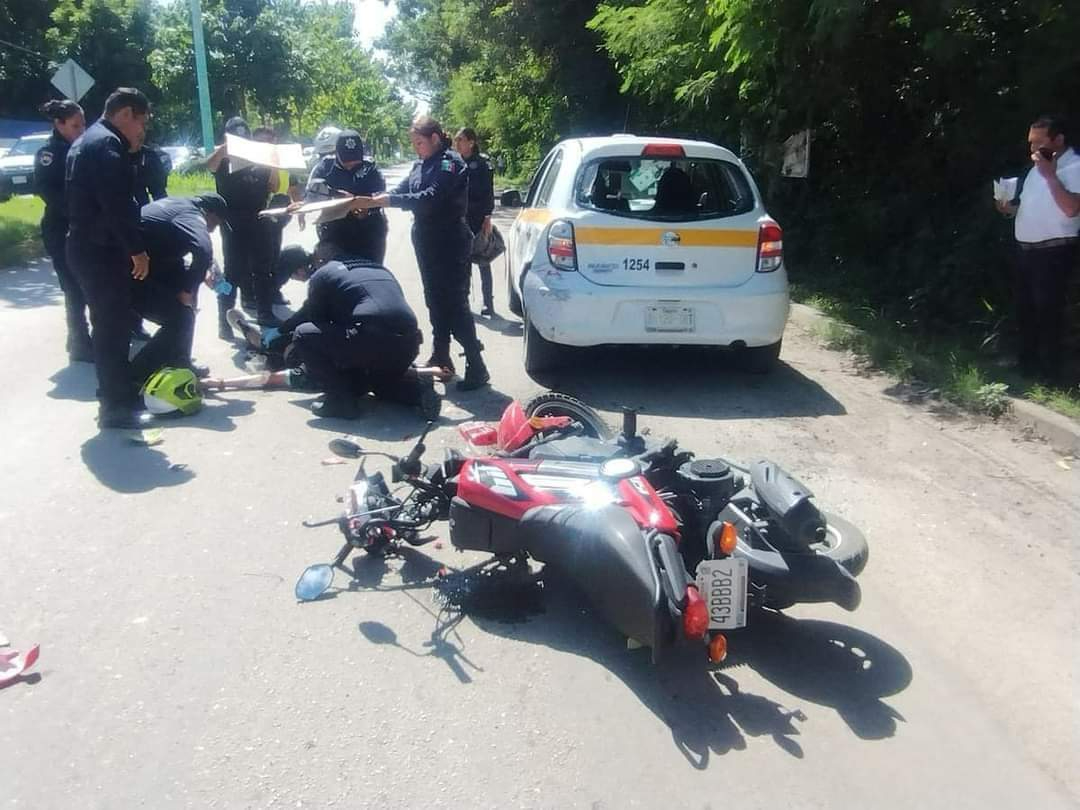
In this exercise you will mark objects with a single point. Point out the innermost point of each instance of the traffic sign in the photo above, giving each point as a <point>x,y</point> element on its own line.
<point>72,80</point>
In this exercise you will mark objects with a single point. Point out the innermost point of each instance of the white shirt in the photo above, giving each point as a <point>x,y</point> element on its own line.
<point>1039,218</point>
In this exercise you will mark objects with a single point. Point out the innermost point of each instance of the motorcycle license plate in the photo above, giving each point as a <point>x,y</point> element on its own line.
<point>666,318</point>
<point>722,584</point>
<point>19,180</point>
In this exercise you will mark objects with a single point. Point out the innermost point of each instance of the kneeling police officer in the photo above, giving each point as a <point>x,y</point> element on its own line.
<point>356,334</point>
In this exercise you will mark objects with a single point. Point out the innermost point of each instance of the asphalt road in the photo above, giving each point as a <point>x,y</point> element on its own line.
<point>178,671</point>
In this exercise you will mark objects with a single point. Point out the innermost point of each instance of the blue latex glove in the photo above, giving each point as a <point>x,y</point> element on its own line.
<point>269,335</point>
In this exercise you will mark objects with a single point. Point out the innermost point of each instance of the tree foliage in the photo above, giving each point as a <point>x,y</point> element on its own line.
<point>522,72</point>
<point>288,63</point>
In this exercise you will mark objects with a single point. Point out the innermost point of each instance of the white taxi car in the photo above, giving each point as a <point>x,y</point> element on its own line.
<point>631,240</point>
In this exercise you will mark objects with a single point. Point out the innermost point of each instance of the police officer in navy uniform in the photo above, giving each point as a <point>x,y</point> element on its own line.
<point>68,124</point>
<point>105,249</point>
<point>481,204</point>
<point>362,233</point>
<point>173,228</point>
<point>153,167</point>
<point>437,191</point>
<point>248,265</point>
<point>356,334</point>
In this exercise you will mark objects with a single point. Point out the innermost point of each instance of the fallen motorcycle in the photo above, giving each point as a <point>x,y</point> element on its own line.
<point>664,544</point>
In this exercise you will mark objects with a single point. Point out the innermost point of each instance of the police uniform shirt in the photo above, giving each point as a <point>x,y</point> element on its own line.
<point>49,183</point>
<point>481,190</point>
<point>329,176</point>
<point>356,294</point>
<point>245,190</point>
<point>436,190</point>
<point>174,228</point>
<point>153,166</point>
<point>100,176</point>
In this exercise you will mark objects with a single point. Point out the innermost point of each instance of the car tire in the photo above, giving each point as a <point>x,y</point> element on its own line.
<point>513,300</point>
<point>760,359</point>
<point>540,354</point>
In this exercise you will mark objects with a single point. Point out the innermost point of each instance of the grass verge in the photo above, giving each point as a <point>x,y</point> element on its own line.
<point>20,217</point>
<point>972,379</point>
<point>20,234</point>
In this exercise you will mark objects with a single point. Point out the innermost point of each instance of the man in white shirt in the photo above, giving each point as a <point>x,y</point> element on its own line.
<point>1048,236</point>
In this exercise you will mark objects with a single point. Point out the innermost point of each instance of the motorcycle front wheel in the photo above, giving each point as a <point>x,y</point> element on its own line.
<point>552,403</point>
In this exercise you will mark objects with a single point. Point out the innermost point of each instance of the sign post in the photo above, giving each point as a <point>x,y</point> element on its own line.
<point>200,75</point>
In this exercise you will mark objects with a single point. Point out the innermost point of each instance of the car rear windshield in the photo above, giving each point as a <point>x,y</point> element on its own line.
<point>664,189</point>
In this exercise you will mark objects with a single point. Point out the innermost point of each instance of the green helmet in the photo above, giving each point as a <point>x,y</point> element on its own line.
<point>172,389</point>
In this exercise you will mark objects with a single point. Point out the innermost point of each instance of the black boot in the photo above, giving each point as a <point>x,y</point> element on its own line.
<point>79,348</point>
<point>124,418</point>
<point>336,406</point>
<point>476,373</point>
<point>430,402</point>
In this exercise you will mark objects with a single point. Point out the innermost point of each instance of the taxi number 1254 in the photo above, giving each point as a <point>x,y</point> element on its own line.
<point>635,264</point>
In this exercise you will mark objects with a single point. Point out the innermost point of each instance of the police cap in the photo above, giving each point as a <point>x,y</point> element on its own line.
<point>349,146</point>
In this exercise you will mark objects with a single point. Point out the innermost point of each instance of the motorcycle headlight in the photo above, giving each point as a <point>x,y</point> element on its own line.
<point>356,500</point>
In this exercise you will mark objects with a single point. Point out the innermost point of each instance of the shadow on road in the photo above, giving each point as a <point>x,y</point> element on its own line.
<point>33,285</point>
<point>75,381</point>
<point>706,709</point>
<point>129,468</point>
<point>688,382</point>
<point>417,572</point>
<point>708,712</point>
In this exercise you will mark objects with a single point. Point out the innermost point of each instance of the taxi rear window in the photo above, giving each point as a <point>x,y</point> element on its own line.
<point>664,189</point>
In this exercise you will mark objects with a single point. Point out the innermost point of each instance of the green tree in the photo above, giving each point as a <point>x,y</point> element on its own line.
<point>109,39</point>
<point>24,70</point>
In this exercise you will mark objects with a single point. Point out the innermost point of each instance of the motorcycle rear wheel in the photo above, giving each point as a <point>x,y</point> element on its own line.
<point>844,544</point>
<point>552,403</point>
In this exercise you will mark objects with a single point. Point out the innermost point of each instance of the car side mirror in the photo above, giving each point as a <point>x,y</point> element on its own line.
<point>511,198</point>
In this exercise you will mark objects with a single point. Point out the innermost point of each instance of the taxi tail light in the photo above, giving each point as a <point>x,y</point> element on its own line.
<point>770,247</point>
<point>561,248</point>
<point>663,150</point>
<point>695,618</point>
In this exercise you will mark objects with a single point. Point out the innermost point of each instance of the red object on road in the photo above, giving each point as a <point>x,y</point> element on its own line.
<point>13,664</point>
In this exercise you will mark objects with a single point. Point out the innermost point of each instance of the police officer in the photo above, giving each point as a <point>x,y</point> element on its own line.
<point>105,247</point>
<point>356,334</point>
<point>153,167</point>
<point>362,233</point>
<point>289,190</point>
<point>247,265</point>
<point>481,204</point>
<point>68,124</point>
<point>174,228</point>
<point>436,191</point>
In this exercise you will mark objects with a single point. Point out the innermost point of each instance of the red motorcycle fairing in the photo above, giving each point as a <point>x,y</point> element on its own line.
<point>511,487</point>
<point>514,431</point>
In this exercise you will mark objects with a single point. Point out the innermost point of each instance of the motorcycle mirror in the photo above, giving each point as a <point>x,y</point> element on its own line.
<point>345,448</point>
<point>314,582</point>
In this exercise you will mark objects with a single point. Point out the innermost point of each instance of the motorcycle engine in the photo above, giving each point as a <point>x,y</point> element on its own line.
<point>710,479</point>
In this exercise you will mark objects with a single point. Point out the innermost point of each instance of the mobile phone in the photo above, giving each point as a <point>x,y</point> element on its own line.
<point>1048,154</point>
